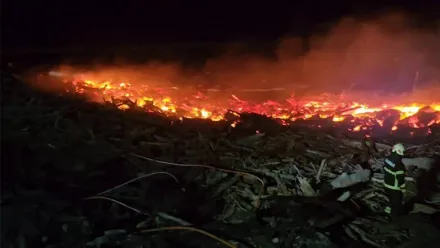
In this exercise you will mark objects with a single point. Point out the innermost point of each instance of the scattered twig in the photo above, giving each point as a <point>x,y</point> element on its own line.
<point>363,235</point>
<point>172,228</point>
<point>321,169</point>
<point>226,185</point>
<point>175,219</point>
<point>138,178</point>
<point>115,201</point>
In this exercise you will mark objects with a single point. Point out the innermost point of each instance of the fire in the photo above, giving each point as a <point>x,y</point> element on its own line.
<point>172,102</point>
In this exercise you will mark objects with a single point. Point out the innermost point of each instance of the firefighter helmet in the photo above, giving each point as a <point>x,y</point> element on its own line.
<point>399,149</point>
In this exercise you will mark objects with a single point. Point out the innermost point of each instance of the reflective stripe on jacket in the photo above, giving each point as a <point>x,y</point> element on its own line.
<point>394,173</point>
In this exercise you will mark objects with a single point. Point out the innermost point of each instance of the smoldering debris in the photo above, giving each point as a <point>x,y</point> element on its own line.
<point>111,177</point>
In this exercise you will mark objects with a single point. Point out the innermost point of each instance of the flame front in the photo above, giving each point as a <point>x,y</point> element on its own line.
<point>172,102</point>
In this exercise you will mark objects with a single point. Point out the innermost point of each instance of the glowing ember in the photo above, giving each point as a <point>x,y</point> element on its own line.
<point>174,102</point>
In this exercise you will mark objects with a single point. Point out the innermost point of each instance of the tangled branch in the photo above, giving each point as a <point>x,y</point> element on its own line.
<point>209,167</point>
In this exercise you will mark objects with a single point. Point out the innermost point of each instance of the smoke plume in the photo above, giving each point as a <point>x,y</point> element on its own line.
<point>385,53</point>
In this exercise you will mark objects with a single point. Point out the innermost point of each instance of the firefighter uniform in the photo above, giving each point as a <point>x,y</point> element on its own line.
<point>394,182</point>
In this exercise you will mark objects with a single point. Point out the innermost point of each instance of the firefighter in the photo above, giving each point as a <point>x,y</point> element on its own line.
<point>394,181</point>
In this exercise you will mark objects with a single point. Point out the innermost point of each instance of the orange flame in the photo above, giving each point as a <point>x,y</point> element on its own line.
<point>170,102</point>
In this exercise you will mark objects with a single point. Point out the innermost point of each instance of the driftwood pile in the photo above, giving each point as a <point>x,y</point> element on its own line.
<point>125,178</point>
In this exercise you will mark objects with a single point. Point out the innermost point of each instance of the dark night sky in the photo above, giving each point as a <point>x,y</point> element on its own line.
<point>49,23</point>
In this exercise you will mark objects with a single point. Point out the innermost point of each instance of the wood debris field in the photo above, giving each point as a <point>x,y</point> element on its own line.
<point>78,174</point>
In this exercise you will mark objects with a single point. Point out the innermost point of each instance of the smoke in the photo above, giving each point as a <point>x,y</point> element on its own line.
<point>385,53</point>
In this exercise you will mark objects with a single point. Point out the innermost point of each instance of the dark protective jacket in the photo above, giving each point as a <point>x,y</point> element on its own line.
<point>394,172</point>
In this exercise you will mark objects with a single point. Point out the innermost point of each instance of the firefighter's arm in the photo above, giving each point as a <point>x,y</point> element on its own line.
<point>401,182</point>
<point>401,179</point>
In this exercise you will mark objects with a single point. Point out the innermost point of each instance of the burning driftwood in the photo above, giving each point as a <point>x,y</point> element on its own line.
<point>260,184</point>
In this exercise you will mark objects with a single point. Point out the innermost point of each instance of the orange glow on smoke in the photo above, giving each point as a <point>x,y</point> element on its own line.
<point>363,59</point>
